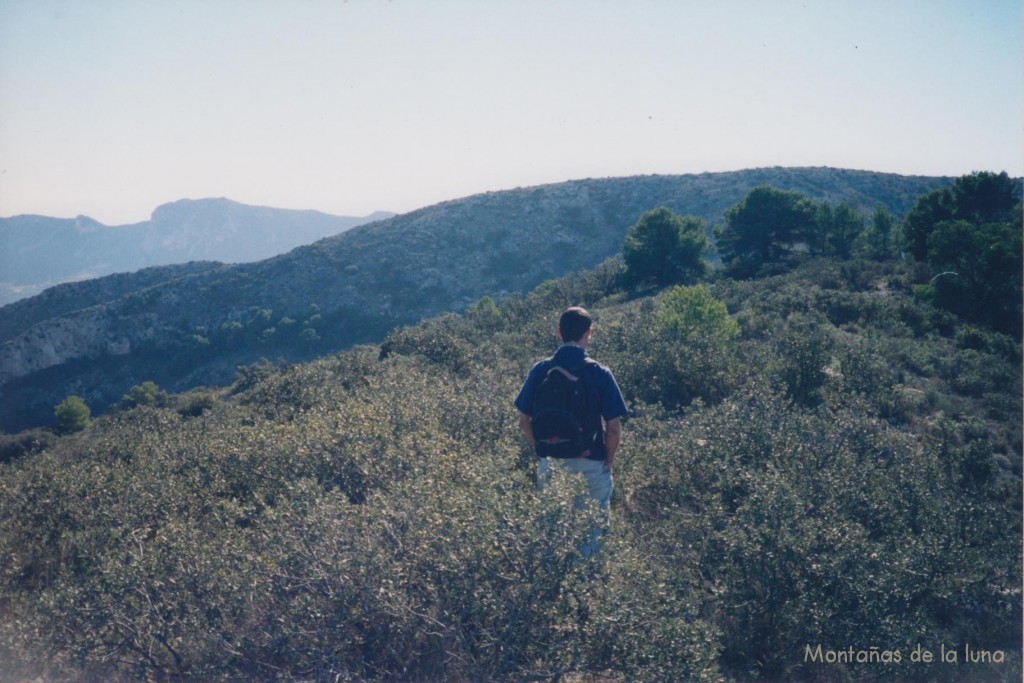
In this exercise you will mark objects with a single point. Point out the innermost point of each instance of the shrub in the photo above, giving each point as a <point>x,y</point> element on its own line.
<point>804,350</point>
<point>145,394</point>
<point>691,315</point>
<point>196,403</point>
<point>653,365</point>
<point>72,415</point>
<point>438,341</point>
<point>823,528</point>
<point>485,315</point>
<point>25,443</point>
<point>249,376</point>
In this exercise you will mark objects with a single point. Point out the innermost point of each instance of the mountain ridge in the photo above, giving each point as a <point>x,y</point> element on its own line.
<point>37,252</point>
<point>197,327</point>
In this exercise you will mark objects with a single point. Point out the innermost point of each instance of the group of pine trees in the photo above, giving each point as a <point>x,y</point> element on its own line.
<point>969,235</point>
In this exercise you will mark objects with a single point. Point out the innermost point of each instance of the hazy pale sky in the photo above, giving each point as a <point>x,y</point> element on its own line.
<point>109,108</point>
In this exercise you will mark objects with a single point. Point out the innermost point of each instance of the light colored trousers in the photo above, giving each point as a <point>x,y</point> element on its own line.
<point>599,485</point>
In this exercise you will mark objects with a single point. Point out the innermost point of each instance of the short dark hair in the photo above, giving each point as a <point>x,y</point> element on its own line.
<point>574,323</point>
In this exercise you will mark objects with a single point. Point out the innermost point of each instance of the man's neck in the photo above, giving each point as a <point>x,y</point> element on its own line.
<point>575,344</point>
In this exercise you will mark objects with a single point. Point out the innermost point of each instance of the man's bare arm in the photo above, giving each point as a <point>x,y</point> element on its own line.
<point>526,424</point>
<point>612,436</point>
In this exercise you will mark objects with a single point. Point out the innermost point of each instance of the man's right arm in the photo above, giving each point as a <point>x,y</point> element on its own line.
<point>524,404</point>
<point>526,424</point>
<point>612,436</point>
<point>613,409</point>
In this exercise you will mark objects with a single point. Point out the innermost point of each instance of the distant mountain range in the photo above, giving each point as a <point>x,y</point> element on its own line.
<point>37,252</point>
<point>190,325</point>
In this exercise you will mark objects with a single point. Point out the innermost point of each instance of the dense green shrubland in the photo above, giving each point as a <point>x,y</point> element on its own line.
<point>835,463</point>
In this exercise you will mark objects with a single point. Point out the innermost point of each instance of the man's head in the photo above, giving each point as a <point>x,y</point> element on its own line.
<point>574,325</point>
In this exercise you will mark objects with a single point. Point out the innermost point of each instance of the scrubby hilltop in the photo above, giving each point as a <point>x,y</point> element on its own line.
<point>820,472</point>
<point>354,287</point>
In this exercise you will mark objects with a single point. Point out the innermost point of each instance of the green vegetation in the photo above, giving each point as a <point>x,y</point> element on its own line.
<point>978,198</point>
<point>764,227</point>
<point>663,248</point>
<point>970,237</point>
<point>72,415</point>
<point>690,315</point>
<point>145,394</point>
<point>814,457</point>
<point>25,443</point>
<point>877,241</point>
<point>837,229</point>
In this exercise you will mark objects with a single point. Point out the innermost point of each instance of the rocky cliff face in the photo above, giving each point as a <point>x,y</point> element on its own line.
<point>196,325</point>
<point>78,335</point>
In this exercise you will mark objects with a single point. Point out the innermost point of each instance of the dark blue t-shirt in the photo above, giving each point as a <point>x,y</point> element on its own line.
<point>603,390</point>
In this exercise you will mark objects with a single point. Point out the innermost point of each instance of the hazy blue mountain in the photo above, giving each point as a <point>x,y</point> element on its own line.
<point>196,325</point>
<point>37,252</point>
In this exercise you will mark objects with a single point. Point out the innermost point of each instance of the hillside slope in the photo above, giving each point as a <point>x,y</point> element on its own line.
<point>840,470</point>
<point>65,298</point>
<point>356,286</point>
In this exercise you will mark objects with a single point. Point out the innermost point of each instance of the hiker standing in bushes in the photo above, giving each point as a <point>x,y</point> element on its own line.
<point>571,410</point>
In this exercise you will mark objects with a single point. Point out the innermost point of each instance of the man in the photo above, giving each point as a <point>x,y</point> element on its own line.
<point>604,405</point>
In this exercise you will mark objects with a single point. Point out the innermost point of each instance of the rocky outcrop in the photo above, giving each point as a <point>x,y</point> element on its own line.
<point>76,335</point>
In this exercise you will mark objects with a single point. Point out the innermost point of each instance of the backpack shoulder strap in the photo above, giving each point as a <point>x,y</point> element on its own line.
<point>565,373</point>
<point>572,374</point>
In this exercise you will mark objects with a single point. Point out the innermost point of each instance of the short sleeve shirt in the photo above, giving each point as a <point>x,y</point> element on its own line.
<point>604,391</point>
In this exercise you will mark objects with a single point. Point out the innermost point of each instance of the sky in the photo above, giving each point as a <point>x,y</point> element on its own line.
<point>109,108</point>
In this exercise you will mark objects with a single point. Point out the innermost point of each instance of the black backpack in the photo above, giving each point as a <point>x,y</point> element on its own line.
<point>564,424</point>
